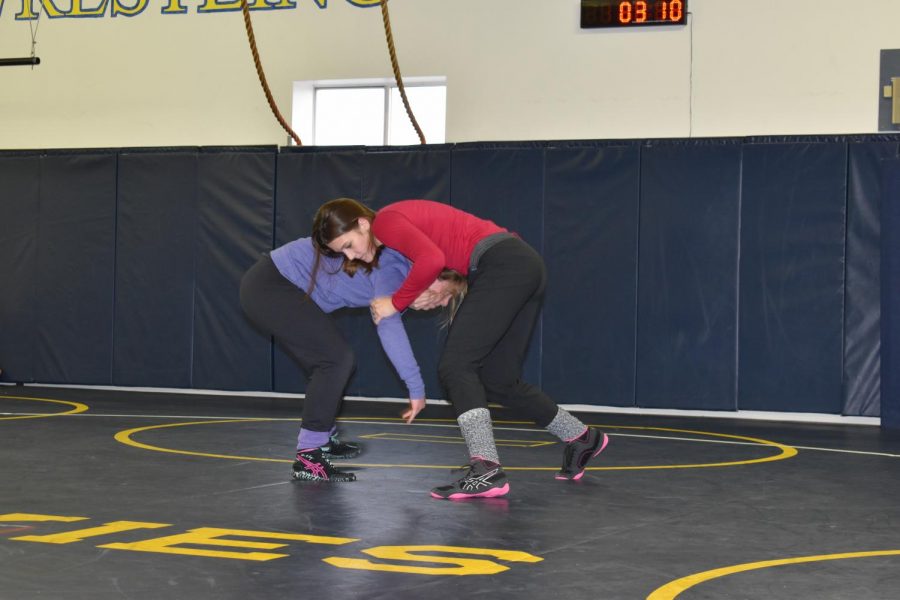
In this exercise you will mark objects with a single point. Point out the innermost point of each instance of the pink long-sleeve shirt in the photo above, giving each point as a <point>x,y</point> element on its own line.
<point>433,236</point>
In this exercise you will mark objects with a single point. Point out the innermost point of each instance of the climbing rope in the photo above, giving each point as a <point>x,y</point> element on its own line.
<point>262,76</point>
<point>245,8</point>
<point>390,43</point>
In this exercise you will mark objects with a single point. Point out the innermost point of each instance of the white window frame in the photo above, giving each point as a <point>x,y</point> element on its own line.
<point>304,101</point>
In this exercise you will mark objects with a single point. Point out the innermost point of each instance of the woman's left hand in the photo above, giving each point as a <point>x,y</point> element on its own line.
<point>426,300</point>
<point>381,308</point>
<point>437,294</point>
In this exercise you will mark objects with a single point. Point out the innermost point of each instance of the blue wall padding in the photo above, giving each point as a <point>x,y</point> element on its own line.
<point>591,200</point>
<point>709,273</point>
<point>307,179</point>
<point>235,204</point>
<point>687,280</point>
<point>304,181</point>
<point>395,174</point>
<point>793,218</point>
<point>890,295</point>
<point>505,185</point>
<point>156,234</point>
<point>862,300</point>
<point>19,218</point>
<point>76,268</point>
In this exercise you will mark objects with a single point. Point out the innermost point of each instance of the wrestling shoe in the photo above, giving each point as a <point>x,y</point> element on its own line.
<point>313,466</point>
<point>579,451</point>
<point>335,449</point>
<point>483,479</point>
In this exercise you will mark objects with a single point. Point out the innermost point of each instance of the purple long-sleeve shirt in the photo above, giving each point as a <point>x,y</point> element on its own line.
<point>335,289</point>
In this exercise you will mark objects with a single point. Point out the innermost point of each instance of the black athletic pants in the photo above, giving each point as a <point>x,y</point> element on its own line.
<point>486,345</point>
<point>308,335</point>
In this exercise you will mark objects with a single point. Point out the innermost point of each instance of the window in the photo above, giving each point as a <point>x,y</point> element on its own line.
<point>368,112</point>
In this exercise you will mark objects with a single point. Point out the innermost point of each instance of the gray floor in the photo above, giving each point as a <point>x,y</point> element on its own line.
<point>669,499</point>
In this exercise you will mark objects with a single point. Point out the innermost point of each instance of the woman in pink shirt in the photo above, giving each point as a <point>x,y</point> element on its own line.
<point>488,338</point>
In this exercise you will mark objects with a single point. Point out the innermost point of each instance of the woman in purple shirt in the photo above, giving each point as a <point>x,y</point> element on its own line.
<point>282,298</point>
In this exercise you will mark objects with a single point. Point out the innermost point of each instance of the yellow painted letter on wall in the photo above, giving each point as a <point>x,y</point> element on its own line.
<point>219,5</point>
<point>174,7</point>
<point>78,9</point>
<point>129,11</point>
<point>463,566</point>
<point>210,536</point>
<point>27,12</point>
<point>271,4</point>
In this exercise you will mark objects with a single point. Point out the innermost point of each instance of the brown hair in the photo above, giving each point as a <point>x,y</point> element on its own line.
<point>333,219</point>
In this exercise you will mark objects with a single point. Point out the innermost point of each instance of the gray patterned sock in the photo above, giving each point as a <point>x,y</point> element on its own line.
<point>478,432</point>
<point>565,426</point>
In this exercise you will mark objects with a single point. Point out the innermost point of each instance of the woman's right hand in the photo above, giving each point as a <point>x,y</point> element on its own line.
<point>415,407</point>
<point>381,308</point>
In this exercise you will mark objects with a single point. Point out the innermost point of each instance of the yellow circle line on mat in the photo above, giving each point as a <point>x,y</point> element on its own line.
<point>786,451</point>
<point>673,589</point>
<point>78,407</point>
<point>125,437</point>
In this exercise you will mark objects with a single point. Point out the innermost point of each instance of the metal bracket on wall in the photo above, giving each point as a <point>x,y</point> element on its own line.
<point>889,91</point>
<point>892,91</point>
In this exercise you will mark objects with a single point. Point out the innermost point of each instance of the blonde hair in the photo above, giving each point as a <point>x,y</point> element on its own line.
<point>459,286</point>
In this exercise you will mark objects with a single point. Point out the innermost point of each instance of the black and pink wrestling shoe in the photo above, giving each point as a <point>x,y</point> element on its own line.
<point>311,465</point>
<point>335,449</point>
<point>483,479</point>
<point>579,451</point>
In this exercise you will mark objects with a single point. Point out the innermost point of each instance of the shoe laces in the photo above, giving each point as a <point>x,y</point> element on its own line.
<point>471,465</point>
<point>466,468</point>
<point>323,459</point>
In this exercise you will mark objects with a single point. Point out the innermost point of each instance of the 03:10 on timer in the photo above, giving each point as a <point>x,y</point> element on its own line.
<point>624,13</point>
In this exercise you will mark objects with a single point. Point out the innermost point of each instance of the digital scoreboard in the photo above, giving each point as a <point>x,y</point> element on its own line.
<point>632,13</point>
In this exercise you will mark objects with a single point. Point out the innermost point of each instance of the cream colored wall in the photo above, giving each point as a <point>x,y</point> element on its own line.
<point>516,70</point>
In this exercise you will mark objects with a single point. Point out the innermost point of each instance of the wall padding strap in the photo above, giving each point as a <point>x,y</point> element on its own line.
<point>591,201</point>
<point>236,192</point>
<point>687,278</point>
<point>862,297</point>
<point>76,268</point>
<point>890,295</point>
<point>19,218</point>
<point>155,240</point>
<point>792,277</point>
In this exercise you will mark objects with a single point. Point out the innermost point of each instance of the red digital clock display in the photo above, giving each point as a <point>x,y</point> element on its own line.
<point>632,13</point>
